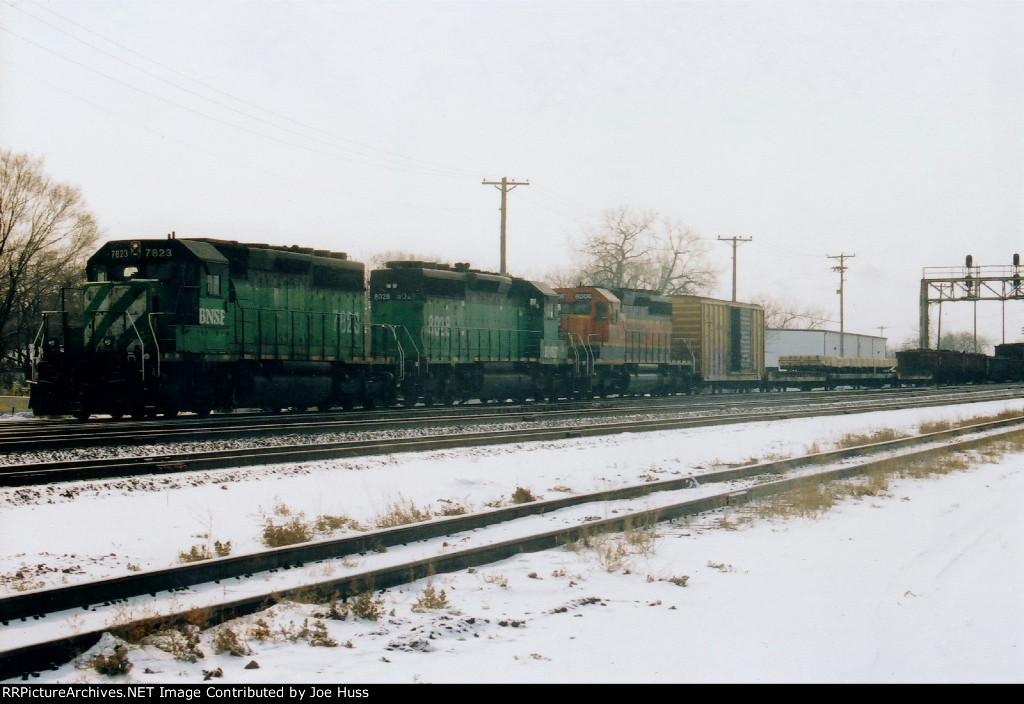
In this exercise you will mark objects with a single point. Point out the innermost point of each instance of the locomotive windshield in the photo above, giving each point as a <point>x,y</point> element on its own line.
<point>162,271</point>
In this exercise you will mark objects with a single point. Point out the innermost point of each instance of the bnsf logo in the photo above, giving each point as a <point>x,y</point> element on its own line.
<point>211,316</point>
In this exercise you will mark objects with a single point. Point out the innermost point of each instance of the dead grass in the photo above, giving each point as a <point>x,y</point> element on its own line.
<point>293,531</point>
<point>399,513</point>
<point>523,496</point>
<point>859,439</point>
<point>225,640</point>
<point>811,498</point>
<point>936,426</point>
<point>432,599</point>
<point>117,663</point>
<point>198,553</point>
<point>615,551</point>
<point>452,508</point>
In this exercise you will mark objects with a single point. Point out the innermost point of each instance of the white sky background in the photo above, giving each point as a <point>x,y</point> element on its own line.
<point>918,584</point>
<point>892,131</point>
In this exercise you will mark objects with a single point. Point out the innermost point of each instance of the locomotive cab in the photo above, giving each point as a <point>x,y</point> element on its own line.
<point>137,295</point>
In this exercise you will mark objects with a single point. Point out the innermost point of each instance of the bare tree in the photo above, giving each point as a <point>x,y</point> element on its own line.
<point>644,250</point>
<point>45,234</point>
<point>791,315</point>
<point>964,341</point>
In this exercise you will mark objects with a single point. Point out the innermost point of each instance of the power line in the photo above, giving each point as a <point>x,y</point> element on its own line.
<point>391,161</point>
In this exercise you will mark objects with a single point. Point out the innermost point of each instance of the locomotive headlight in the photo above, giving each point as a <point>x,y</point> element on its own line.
<point>135,248</point>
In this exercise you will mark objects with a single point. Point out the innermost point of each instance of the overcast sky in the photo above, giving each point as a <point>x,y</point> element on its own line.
<point>889,131</point>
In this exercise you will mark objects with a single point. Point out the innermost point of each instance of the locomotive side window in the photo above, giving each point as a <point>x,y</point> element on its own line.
<point>601,311</point>
<point>213,285</point>
<point>565,308</point>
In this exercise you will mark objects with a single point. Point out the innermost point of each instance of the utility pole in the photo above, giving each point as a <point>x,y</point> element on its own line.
<point>504,186</point>
<point>735,241</point>
<point>842,271</point>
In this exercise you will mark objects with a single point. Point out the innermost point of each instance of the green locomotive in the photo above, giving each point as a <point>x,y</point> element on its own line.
<point>163,326</point>
<point>460,334</point>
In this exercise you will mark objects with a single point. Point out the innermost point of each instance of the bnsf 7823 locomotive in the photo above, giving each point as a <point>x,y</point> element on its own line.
<point>192,324</point>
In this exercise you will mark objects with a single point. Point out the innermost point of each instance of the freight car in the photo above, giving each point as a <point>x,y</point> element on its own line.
<point>826,359</point>
<point>725,339</point>
<point>807,372</point>
<point>927,366</point>
<point>1008,363</point>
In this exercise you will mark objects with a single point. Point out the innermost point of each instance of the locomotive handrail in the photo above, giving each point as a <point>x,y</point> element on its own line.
<point>400,351</point>
<point>142,346</point>
<point>156,343</point>
<point>419,356</point>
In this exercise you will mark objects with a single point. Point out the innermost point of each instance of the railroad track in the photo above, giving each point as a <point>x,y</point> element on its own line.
<point>543,427</point>
<point>47,434</point>
<point>232,586</point>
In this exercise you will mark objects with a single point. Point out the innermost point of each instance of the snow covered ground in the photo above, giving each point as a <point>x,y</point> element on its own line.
<point>916,585</point>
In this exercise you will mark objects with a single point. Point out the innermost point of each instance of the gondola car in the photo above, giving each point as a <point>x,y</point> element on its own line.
<point>942,367</point>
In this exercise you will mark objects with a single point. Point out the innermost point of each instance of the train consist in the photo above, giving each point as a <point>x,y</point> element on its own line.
<point>166,326</point>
